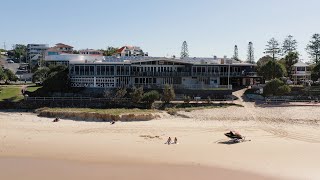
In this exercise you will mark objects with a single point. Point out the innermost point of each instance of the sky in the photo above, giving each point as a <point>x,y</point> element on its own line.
<point>210,27</point>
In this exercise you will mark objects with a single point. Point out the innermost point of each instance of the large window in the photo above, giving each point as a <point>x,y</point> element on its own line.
<point>81,70</point>
<point>98,70</point>
<point>77,69</point>
<point>301,68</point>
<point>103,70</point>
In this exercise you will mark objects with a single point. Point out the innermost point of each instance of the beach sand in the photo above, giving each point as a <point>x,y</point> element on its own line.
<point>285,144</point>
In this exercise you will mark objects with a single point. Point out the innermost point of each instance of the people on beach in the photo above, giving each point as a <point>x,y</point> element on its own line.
<point>168,141</point>
<point>56,119</point>
<point>175,140</point>
<point>112,122</point>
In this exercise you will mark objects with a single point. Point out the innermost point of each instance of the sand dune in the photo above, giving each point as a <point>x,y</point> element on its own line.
<point>284,144</point>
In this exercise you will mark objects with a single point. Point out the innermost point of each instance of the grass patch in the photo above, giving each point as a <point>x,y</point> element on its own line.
<point>99,111</point>
<point>33,88</point>
<point>191,107</point>
<point>11,93</point>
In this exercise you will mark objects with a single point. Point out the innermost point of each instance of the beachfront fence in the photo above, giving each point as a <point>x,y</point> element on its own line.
<point>282,100</point>
<point>73,99</point>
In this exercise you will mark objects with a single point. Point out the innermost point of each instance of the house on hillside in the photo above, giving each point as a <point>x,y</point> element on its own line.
<point>301,72</point>
<point>35,53</point>
<point>91,52</point>
<point>130,51</point>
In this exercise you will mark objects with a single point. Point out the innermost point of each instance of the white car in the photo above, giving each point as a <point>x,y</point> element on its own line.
<point>10,61</point>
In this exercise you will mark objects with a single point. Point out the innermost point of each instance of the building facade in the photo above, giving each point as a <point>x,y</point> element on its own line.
<point>130,51</point>
<point>59,49</point>
<point>91,52</point>
<point>35,53</point>
<point>301,73</point>
<point>155,72</point>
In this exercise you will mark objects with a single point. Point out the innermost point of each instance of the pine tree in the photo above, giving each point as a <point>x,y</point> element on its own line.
<point>313,48</point>
<point>273,48</point>
<point>236,54</point>
<point>184,50</point>
<point>289,45</point>
<point>250,58</point>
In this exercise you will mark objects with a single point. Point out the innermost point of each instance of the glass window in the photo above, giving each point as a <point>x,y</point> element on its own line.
<point>103,70</point>
<point>111,70</point>
<point>91,70</point>
<point>77,70</point>
<point>301,68</point>
<point>98,70</point>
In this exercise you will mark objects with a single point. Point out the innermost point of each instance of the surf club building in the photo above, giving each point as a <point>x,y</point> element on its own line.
<point>155,72</point>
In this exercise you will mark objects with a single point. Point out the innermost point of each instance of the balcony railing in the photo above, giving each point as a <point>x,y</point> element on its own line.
<point>225,74</point>
<point>302,73</point>
<point>191,86</point>
<point>161,74</point>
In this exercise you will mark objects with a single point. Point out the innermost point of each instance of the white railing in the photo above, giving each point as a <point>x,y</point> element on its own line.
<point>191,86</point>
<point>72,99</point>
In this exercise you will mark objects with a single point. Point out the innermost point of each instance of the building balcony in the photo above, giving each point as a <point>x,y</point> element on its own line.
<point>161,74</point>
<point>226,74</point>
<point>301,73</point>
<point>191,86</point>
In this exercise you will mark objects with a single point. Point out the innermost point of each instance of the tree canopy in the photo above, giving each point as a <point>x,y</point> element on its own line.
<point>168,94</point>
<point>289,45</point>
<point>110,51</point>
<point>7,75</point>
<point>289,60</point>
<point>272,69</point>
<point>136,94</point>
<point>18,51</point>
<point>151,96</point>
<point>313,48</point>
<point>57,79</point>
<point>250,55</point>
<point>272,48</point>
<point>276,87</point>
<point>315,74</point>
<point>41,74</point>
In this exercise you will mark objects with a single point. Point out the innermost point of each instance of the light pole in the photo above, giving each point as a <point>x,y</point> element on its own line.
<point>229,75</point>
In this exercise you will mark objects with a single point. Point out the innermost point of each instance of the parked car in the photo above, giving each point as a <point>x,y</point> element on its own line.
<point>289,82</point>
<point>10,61</point>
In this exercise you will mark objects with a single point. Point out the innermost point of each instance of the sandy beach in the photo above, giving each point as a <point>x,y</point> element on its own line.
<point>285,144</point>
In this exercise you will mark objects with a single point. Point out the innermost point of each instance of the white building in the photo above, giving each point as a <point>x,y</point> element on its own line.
<point>36,52</point>
<point>301,73</point>
<point>91,52</point>
<point>130,51</point>
<point>155,72</point>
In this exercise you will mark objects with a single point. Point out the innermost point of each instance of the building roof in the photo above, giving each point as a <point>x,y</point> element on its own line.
<point>300,64</point>
<point>89,50</point>
<point>129,48</point>
<point>53,49</point>
<point>61,45</point>
<point>80,58</point>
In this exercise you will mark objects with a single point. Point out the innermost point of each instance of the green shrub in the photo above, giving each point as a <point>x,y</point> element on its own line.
<point>187,99</point>
<point>172,111</point>
<point>276,87</point>
<point>284,89</point>
<point>168,94</point>
<point>150,97</point>
<point>136,94</point>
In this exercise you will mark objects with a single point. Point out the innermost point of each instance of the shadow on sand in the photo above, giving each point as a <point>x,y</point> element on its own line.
<point>230,142</point>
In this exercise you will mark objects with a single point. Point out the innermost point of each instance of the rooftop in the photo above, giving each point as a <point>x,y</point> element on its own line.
<point>61,45</point>
<point>79,58</point>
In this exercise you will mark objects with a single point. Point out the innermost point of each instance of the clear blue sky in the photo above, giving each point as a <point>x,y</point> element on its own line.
<point>211,27</point>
